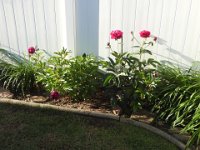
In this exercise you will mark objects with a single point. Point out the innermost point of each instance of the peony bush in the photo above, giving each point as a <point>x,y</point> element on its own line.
<point>129,75</point>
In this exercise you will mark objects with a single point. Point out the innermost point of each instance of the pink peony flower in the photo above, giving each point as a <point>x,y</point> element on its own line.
<point>116,34</point>
<point>54,94</point>
<point>31,50</point>
<point>145,34</point>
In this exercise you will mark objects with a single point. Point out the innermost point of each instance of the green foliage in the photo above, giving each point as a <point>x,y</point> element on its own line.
<point>130,77</point>
<point>83,77</point>
<point>52,71</point>
<point>177,99</point>
<point>193,127</point>
<point>78,77</point>
<point>17,73</point>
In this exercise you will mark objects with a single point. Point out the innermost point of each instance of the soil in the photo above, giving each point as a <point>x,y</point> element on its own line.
<point>99,105</point>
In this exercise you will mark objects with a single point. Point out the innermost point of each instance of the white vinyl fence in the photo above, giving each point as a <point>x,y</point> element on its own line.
<point>83,26</point>
<point>175,22</point>
<point>47,24</point>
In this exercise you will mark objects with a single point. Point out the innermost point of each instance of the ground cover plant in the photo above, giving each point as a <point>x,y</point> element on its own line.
<point>23,128</point>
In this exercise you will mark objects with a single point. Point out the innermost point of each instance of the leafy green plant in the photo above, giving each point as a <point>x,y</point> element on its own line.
<point>17,73</point>
<point>77,77</point>
<point>129,76</point>
<point>83,77</point>
<point>52,71</point>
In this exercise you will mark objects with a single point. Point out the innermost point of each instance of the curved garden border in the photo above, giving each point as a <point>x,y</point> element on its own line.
<point>157,131</point>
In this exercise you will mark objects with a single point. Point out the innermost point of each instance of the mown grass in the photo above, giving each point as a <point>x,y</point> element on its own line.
<point>26,128</point>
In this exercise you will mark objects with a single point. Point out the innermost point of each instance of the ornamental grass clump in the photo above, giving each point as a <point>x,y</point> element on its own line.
<point>17,73</point>
<point>177,101</point>
<point>129,74</point>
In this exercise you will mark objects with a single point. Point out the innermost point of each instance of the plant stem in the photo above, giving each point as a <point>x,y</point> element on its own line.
<point>141,48</point>
<point>122,48</point>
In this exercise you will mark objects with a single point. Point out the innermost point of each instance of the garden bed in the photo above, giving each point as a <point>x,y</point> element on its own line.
<point>94,105</point>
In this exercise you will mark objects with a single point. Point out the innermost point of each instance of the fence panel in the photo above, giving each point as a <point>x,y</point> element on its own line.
<point>175,22</point>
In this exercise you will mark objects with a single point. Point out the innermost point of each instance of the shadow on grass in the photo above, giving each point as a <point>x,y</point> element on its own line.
<point>23,127</point>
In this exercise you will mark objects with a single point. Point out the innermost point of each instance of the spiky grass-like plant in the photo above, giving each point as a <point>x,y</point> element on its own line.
<point>177,99</point>
<point>17,73</point>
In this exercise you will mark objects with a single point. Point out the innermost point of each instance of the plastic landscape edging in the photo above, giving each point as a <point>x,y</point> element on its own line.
<point>157,131</point>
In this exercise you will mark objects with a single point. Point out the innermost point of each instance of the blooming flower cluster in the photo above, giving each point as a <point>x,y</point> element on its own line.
<point>118,34</point>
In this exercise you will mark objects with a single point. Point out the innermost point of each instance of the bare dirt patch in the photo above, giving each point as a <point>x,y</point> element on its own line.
<point>5,93</point>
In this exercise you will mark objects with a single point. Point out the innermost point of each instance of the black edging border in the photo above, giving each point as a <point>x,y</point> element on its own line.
<point>157,131</point>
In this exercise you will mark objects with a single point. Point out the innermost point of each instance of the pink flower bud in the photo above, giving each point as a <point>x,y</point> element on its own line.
<point>31,50</point>
<point>54,94</point>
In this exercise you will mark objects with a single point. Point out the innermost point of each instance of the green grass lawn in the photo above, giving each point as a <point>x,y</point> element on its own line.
<point>27,128</point>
